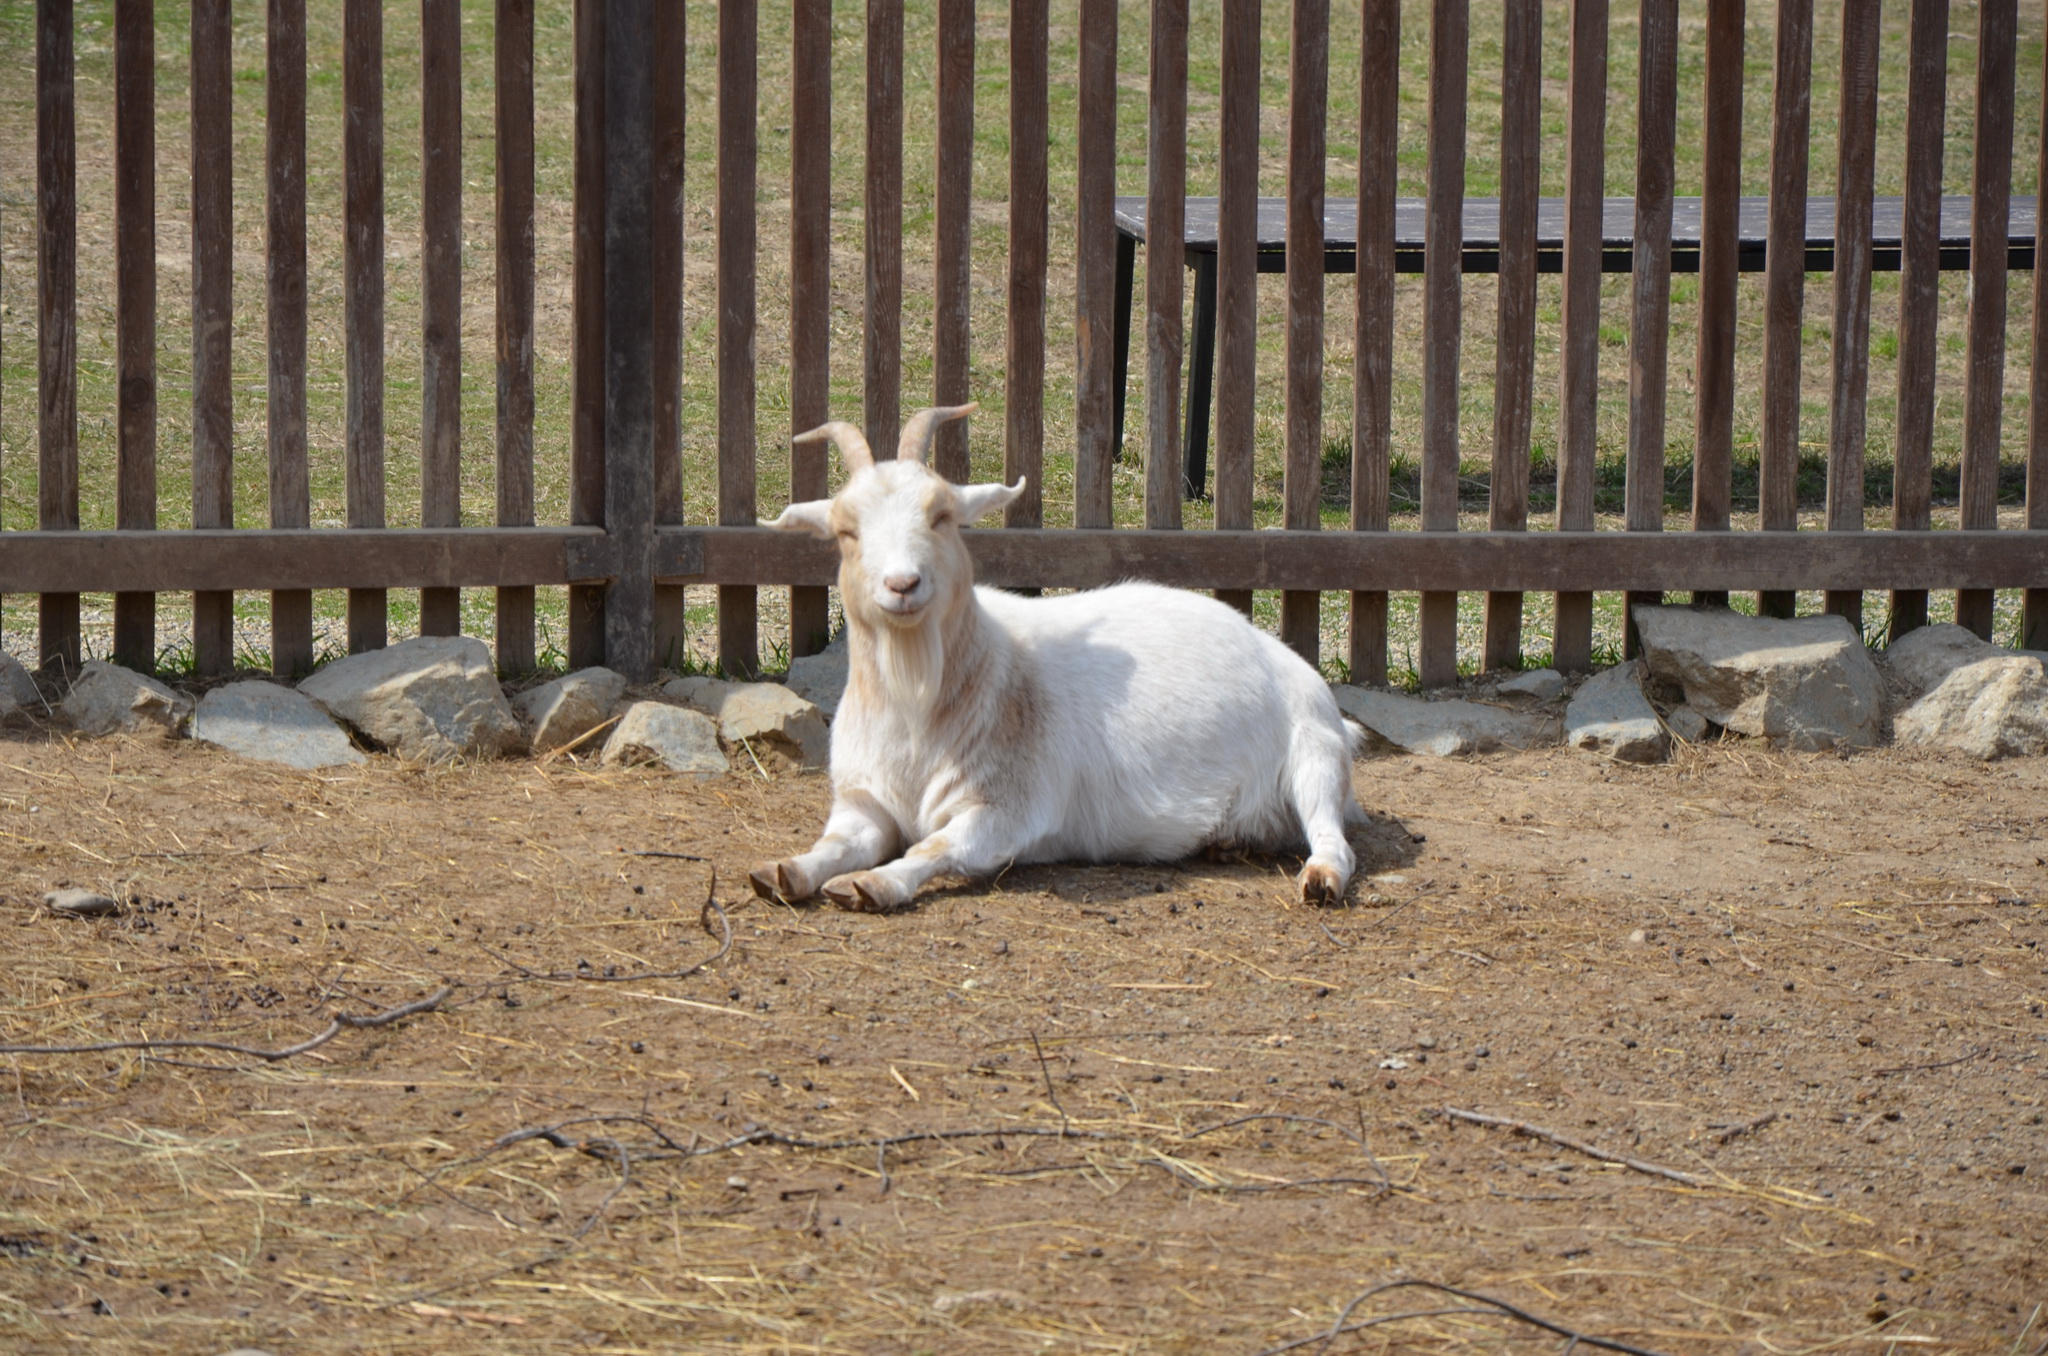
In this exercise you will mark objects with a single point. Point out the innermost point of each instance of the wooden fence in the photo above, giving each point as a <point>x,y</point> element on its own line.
<point>626,552</point>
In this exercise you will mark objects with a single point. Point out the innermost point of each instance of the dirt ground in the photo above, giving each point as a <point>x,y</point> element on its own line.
<point>1188,1115</point>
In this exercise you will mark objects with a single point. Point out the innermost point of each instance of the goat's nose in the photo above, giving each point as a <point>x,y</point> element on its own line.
<point>904,584</point>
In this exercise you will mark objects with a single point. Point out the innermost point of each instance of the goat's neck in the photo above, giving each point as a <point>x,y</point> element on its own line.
<point>933,671</point>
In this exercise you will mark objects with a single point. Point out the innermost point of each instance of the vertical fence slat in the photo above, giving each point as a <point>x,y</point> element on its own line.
<point>586,401</point>
<point>1650,282</point>
<point>1237,275</point>
<point>1165,227</point>
<point>629,304</point>
<point>1785,282</point>
<point>1579,345</point>
<point>440,291</point>
<point>1372,400</point>
<point>1024,340</point>
<point>1442,317</point>
<point>2034,602</point>
<point>363,288</point>
<point>738,38</point>
<point>1919,289</point>
<point>515,255</point>
<point>882,351</point>
<point>665,224</point>
<point>135,306</point>
<point>1308,107</point>
<point>1095,267</point>
<point>1855,177</point>
<point>56,314</point>
<point>951,354</point>
<point>1713,457</point>
<point>213,316</point>
<point>1514,372</point>
<point>1990,203</point>
<point>291,611</point>
<point>810,287</point>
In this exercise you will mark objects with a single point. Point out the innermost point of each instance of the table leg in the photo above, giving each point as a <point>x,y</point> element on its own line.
<point>1201,376</point>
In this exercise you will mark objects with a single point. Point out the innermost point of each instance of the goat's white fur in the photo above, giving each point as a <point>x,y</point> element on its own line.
<point>981,729</point>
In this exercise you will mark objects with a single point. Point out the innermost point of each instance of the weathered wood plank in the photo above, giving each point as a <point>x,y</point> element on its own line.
<point>1166,203</point>
<point>1308,108</point>
<point>1237,273</point>
<point>1574,562</point>
<point>1443,311</point>
<point>1984,362</point>
<point>586,412</point>
<point>738,41</point>
<point>810,288</point>
<point>1855,178</point>
<point>666,232</point>
<point>363,292</point>
<point>629,155</point>
<point>135,307</point>
<point>952,352</point>
<point>1919,286</point>
<point>515,315</point>
<point>291,611</point>
<point>1514,370</point>
<point>1785,279</point>
<point>1650,282</point>
<point>1713,457</point>
<point>1373,338</point>
<point>1579,345</point>
<point>882,241</point>
<point>1024,340</point>
<point>440,290</point>
<point>56,316</point>
<point>213,315</point>
<point>1095,266</point>
<point>2034,603</point>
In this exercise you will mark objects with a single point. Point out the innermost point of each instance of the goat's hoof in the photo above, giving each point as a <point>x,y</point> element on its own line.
<point>1321,885</point>
<point>859,893</point>
<point>775,883</point>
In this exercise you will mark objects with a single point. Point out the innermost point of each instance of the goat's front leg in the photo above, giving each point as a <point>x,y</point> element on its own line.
<point>859,833</point>
<point>975,842</point>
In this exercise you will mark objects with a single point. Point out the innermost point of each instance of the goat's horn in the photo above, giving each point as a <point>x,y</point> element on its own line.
<point>916,442</point>
<point>851,442</point>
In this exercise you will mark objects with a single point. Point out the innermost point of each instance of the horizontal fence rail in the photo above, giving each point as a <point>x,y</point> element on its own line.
<point>629,548</point>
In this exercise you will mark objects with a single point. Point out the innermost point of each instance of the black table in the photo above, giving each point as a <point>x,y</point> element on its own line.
<point>1482,255</point>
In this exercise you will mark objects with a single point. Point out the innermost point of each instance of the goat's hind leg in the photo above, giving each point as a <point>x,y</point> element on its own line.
<point>975,842</point>
<point>858,833</point>
<point>1319,784</point>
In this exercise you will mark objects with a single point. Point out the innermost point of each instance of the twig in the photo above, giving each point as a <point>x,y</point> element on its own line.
<point>1729,1132</point>
<point>711,906</point>
<point>1386,1183</point>
<point>1382,919</point>
<point>580,740</point>
<point>1917,1068</point>
<point>342,1021</point>
<point>675,856</point>
<point>1493,1306</point>
<point>1047,1075</point>
<point>1577,1146</point>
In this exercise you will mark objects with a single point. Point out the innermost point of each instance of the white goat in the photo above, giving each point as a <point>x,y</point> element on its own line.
<point>980,729</point>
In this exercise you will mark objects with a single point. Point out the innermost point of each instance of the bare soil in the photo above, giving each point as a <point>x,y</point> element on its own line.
<point>1201,1118</point>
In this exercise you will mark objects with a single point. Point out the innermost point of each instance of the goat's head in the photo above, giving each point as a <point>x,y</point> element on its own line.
<point>901,560</point>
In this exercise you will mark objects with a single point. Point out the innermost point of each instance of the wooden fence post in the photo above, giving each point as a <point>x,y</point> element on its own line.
<point>135,307</point>
<point>1237,276</point>
<point>213,392</point>
<point>1372,401</point>
<point>1095,267</point>
<point>1919,290</point>
<point>1514,371</point>
<point>1855,174</point>
<point>363,288</point>
<point>671,54</point>
<point>2034,602</point>
<point>56,315</point>
<point>629,334</point>
<point>291,610</point>
<point>810,289</point>
<point>882,343</point>
<point>440,291</point>
<point>953,256</point>
<point>1713,453</point>
<point>1579,344</point>
<point>1308,101</point>
<point>738,36</point>
<point>1649,339</point>
<point>1165,227</point>
<point>1785,284</point>
<point>1443,282</point>
<point>1984,364</point>
<point>515,247</point>
<point>1024,343</point>
<point>586,419</point>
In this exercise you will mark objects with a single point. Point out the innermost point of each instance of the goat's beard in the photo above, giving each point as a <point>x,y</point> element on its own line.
<point>912,662</point>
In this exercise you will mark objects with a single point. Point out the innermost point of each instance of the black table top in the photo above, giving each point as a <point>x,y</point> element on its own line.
<point>1617,223</point>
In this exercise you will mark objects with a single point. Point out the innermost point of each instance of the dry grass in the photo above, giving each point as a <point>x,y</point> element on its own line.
<point>1157,1109</point>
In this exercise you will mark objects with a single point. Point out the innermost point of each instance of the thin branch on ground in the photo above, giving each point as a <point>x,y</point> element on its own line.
<point>1728,1132</point>
<point>1499,1307</point>
<point>342,1021</point>
<point>1578,1146</point>
<point>1386,1183</point>
<point>1046,1073</point>
<point>1919,1068</point>
<point>704,915</point>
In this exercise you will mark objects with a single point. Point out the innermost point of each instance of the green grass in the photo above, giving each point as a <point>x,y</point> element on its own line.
<point>554,144</point>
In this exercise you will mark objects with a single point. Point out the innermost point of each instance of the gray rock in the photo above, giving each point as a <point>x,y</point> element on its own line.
<point>670,736</point>
<point>1443,729</point>
<point>1542,684</point>
<point>76,903</point>
<point>1922,658</point>
<point>17,689</point>
<point>1806,683</point>
<point>1687,724</point>
<point>772,722</point>
<point>431,697</point>
<point>820,679</point>
<point>1993,708</point>
<point>1609,715</point>
<point>272,724</point>
<point>108,699</point>
<point>570,707</point>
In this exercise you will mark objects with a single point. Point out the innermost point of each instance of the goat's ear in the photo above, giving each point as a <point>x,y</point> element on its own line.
<point>978,501</point>
<point>813,516</point>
